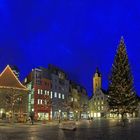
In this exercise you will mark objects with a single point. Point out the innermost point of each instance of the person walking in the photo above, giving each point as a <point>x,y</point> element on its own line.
<point>32,117</point>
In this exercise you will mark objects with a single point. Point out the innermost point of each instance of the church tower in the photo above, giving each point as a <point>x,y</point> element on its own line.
<point>97,81</point>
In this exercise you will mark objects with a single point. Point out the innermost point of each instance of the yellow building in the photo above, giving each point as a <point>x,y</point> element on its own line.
<point>97,81</point>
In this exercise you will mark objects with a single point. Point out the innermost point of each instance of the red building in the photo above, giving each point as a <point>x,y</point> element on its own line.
<point>39,100</point>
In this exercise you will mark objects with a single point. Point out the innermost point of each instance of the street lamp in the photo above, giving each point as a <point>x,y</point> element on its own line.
<point>59,115</point>
<point>76,115</point>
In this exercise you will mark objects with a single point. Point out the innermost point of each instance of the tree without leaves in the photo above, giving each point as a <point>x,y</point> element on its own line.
<point>122,97</point>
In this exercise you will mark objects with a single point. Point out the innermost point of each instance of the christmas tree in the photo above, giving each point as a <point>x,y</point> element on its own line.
<point>122,96</point>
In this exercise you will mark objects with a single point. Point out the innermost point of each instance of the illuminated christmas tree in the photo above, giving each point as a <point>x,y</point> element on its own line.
<point>122,97</point>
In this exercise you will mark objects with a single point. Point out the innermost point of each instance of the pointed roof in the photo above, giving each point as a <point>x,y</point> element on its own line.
<point>8,80</point>
<point>97,71</point>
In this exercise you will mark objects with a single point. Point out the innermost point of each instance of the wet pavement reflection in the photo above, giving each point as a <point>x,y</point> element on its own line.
<point>96,130</point>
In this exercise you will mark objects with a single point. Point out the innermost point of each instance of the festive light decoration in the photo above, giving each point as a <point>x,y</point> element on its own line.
<point>8,80</point>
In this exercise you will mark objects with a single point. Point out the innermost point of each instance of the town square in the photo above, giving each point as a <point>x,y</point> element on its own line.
<point>69,70</point>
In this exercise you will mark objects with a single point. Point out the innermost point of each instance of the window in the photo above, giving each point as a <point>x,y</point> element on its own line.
<point>45,92</point>
<point>63,96</point>
<point>38,91</point>
<point>51,94</point>
<point>75,100</point>
<point>102,108</point>
<point>41,91</point>
<point>38,101</point>
<point>55,94</point>
<point>41,102</point>
<point>25,80</point>
<point>59,95</point>
<point>71,99</point>
<point>32,101</point>
<point>48,93</point>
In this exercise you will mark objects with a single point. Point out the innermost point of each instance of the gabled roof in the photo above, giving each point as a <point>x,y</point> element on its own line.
<point>8,80</point>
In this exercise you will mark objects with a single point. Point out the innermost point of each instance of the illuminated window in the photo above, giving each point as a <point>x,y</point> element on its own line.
<point>99,115</point>
<point>55,94</point>
<point>95,115</point>
<point>38,91</point>
<point>25,80</point>
<point>51,94</point>
<point>38,101</point>
<point>59,95</point>
<point>41,91</point>
<point>71,99</point>
<point>41,102</point>
<point>102,108</point>
<point>75,100</point>
<point>32,101</point>
<point>45,92</point>
<point>63,96</point>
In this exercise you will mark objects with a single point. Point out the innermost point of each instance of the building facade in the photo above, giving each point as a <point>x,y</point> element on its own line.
<point>39,100</point>
<point>78,101</point>
<point>13,96</point>
<point>60,91</point>
<point>98,103</point>
<point>84,104</point>
<point>65,98</point>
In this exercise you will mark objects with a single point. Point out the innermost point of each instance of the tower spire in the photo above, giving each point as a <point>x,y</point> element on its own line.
<point>97,80</point>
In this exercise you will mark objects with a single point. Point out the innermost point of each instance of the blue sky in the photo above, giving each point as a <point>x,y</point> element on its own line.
<point>75,35</point>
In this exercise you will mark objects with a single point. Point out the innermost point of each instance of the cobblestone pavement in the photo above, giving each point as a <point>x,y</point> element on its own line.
<point>96,130</point>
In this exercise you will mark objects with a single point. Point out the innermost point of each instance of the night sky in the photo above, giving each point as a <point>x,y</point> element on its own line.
<point>75,35</point>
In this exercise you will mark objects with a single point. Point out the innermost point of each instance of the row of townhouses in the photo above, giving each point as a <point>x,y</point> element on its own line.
<point>52,95</point>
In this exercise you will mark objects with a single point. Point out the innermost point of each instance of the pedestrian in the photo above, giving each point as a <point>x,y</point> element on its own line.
<point>32,117</point>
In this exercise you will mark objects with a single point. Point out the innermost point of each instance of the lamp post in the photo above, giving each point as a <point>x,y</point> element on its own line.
<point>59,115</point>
<point>76,115</point>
